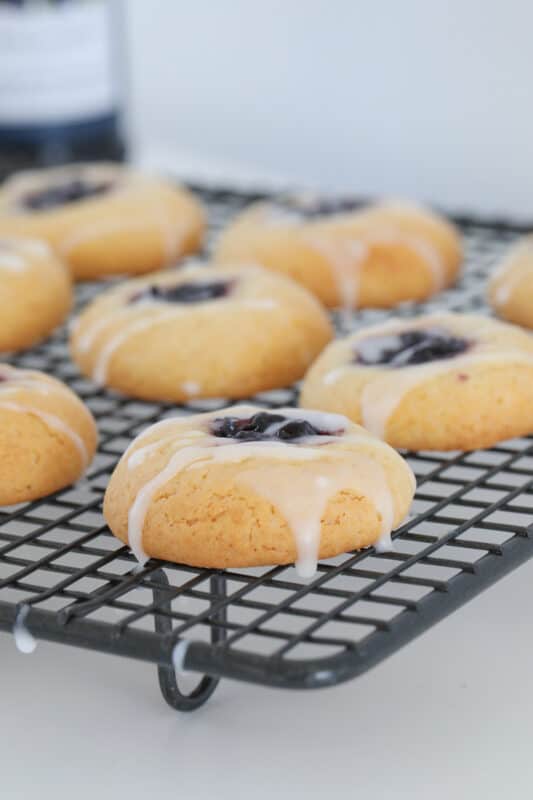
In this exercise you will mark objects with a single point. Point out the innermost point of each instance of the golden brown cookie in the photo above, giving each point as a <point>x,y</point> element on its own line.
<point>103,219</point>
<point>248,487</point>
<point>35,292</point>
<point>348,257</point>
<point>47,435</point>
<point>199,332</point>
<point>510,290</point>
<point>440,382</point>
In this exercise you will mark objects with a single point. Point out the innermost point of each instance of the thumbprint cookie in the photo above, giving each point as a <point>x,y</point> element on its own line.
<point>198,332</point>
<point>348,256</point>
<point>103,219</point>
<point>439,382</point>
<point>251,487</point>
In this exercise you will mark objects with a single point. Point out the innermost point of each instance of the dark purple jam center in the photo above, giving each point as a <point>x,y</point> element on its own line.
<point>264,426</point>
<point>192,292</point>
<point>410,348</point>
<point>316,207</point>
<point>61,194</point>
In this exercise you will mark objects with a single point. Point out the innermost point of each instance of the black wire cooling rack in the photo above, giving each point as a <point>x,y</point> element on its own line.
<point>471,524</point>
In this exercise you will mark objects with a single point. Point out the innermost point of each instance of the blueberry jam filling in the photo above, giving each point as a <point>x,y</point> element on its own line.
<point>316,207</point>
<point>410,348</point>
<point>60,194</point>
<point>194,292</point>
<point>266,427</point>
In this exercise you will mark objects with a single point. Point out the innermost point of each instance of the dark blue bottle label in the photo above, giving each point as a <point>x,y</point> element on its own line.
<point>56,65</point>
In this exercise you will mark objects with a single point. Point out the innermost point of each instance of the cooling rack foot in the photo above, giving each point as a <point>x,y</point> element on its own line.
<point>176,698</point>
<point>168,681</point>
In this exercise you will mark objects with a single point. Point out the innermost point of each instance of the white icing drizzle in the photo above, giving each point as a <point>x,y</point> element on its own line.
<point>17,253</point>
<point>87,339</point>
<point>140,454</point>
<point>12,262</point>
<point>298,492</point>
<point>191,388</point>
<point>429,254</point>
<point>51,421</point>
<point>178,656</point>
<point>139,508</point>
<point>346,259</point>
<point>382,396</point>
<point>111,346</point>
<point>36,248</point>
<point>164,313</point>
<point>24,640</point>
<point>516,266</point>
<point>503,293</point>
<point>149,432</point>
<point>387,386</point>
<point>17,379</point>
<point>302,497</point>
<point>384,544</point>
<point>265,304</point>
<point>98,325</point>
<point>333,375</point>
<point>346,255</point>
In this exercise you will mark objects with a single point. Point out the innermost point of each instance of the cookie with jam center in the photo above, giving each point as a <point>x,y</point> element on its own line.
<point>103,219</point>
<point>249,486</point>
<point>35,292</point>
<point>350,256</point>
<point>438,382</point>
<point>199,332</point>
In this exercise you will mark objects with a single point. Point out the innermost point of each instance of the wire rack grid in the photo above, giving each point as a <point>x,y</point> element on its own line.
<point>471,524</point>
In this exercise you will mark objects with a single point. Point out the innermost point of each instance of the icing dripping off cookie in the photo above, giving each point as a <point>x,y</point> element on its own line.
<point>347,258</point>
<point>24,640</point>
<point>400,365</point>
<point>298,491</point>
<point>13,380</point>
<point>51,421</point>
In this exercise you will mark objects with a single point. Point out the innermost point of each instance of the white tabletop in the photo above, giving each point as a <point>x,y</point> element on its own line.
<point>448,716</point>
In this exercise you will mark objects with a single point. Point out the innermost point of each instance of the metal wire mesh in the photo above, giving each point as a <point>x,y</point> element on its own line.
<point>471,523</point>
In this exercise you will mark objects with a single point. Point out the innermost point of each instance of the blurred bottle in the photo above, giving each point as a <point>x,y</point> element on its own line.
<point>60,70</point>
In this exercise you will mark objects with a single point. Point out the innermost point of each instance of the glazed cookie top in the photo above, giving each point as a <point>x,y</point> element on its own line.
<point>32,392</point>
<point>391,359</point>
<point>140,304</point>
<point>515,271</point>
<point>44,190</point>
<point>317,220</point>
<point>345,455</point>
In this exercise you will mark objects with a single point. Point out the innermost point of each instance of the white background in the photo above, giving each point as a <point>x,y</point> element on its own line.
<point>450,716</point>
<point>427,99</point>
